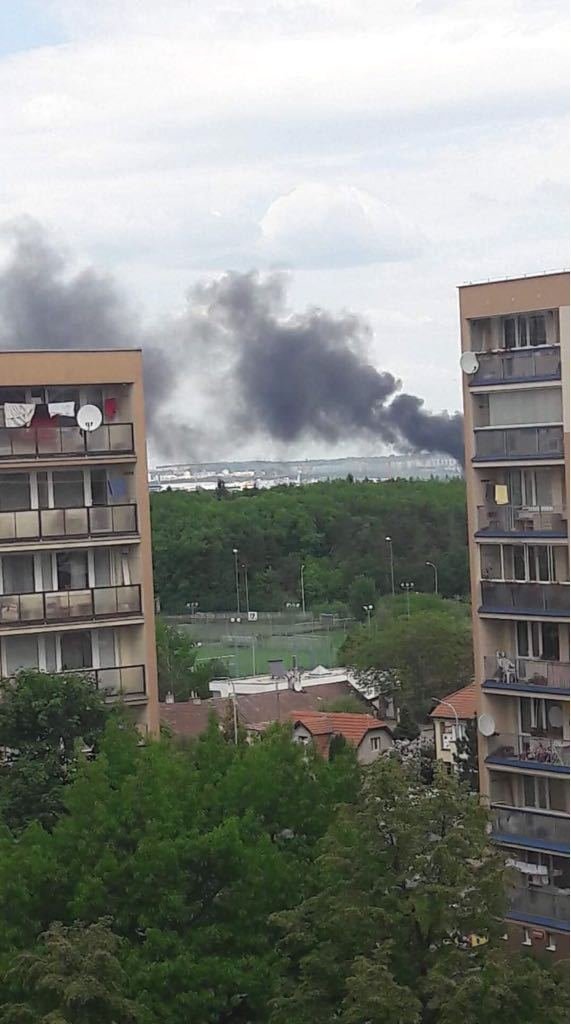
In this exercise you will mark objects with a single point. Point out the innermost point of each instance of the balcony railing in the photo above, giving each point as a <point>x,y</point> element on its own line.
<point>512,366</point>
<point>518,443</point>
<point>541,751</point>
<point>530,904</point>
<point>530,828</point>
<point>502,520</point>
<point>119,681</point>
<point>518,672</point>
<point>55,523</point>
<point>48,441</point>
<point>70,605</point>
<point>525,598</point>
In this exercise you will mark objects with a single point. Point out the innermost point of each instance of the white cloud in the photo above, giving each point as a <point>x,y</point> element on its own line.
<point>324,225</point>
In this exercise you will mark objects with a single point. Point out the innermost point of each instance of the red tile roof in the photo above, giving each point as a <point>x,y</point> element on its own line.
<point>353,727</point>
<point>254,710</point>
<point>464,702</point>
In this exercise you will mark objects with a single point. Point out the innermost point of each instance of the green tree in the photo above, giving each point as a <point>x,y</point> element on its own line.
<point>430,652</point>
<point>362,593</point>
<point>73,976</point>
<point>45,720</point>
<point>407,870</point>
<point>349,704</point>
<point>177,668</point>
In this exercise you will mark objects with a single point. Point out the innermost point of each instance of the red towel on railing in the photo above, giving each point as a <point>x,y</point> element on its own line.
<point>110,408</point>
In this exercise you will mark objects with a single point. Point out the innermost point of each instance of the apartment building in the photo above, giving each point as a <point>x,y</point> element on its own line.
<point>515,362</point>
<point>76,588</point>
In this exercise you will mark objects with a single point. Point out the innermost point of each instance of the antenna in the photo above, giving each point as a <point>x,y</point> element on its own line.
<point>89,417</point>
<point>486,725</point>
<point>469,363</point>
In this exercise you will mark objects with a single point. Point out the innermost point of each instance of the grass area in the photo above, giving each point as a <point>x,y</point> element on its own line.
<point>243,658</point>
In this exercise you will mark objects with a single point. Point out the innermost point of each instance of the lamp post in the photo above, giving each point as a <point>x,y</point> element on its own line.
<point>432,565</point>
<point>389,541</point>
<point>302,581</point>
<point>245,568</point>
<point>368,609</point>
<point>407,587</point>
<point>237,578</point>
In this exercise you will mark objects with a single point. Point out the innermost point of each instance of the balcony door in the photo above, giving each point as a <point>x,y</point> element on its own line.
<point>17,574</point>
<point>72,570</point>
<point>76,650</point>
<point>538,640</point>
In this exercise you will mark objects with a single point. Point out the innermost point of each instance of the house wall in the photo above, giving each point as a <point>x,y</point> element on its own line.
<point>367,750</point>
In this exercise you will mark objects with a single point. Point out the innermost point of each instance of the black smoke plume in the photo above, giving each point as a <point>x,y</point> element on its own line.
<point>266,371</point>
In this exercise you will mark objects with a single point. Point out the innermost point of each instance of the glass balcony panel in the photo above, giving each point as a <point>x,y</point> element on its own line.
<point>53,522</point>
<point>531,825</point>
<point>75,520</point>
<point>101,519</point>
<point>538,903</point>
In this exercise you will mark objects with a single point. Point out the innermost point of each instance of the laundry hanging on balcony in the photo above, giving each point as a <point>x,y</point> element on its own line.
<point>18,414</point>
<point>61,409</point>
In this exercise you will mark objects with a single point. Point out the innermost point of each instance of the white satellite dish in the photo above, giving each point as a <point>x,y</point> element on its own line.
<point>469,363</point>
<point>486,725</point>
<point>89,417</point>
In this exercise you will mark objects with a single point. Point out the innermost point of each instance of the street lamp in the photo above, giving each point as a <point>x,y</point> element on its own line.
<point>407,587</point>
<point>192,607</point>
<point>368,609</point>
<point>245,568</point>
<point>301,575</point>
<point>389,541</point>
<point>438,700</point>
<point>435,575</point>
<point>237,578</point>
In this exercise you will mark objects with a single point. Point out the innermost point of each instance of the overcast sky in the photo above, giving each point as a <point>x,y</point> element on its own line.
<point>384,150</point>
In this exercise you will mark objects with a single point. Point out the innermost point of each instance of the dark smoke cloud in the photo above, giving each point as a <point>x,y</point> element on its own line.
<point>266,371</point>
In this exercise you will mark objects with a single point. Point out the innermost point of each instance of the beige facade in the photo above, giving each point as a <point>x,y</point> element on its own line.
<point>516,405</point>
<point>76,586</point>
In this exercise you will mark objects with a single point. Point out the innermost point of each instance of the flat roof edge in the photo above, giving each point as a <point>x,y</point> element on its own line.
<point>69,351</point>
<point>518,277</point>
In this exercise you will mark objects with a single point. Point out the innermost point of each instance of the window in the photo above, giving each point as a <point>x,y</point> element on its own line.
<point>21,652</point>
<point>18,574</point>
<point>68,488</point>
<point>99,494</point>
<point>375,742</point>
<point>551,943</point>
<point>541,717</point>
<point>72,570</point>
<point>43,490</point>
<point>526,940</point>
<point>76,650</point>
<point>538,640</point>
<point>525,330</point>
<point>528,563</point>
<point>15,492</point>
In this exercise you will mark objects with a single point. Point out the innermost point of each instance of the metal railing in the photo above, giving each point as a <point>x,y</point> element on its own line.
<point>48,441</point>
<point>70,605</point>
<point>525,825</point>
<point>513,365</point>
<point>531,598</point>
<point>500,519</point>
<point>540,750</point>
<point>54,523</point>
<point>116,681</point>
<point>534,902</point>
<point>516,672</point>
<point>519,443</point>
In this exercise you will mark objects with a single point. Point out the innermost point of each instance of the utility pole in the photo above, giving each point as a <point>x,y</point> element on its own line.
<point>392,563</point>
<point>407,587</point>
<point>435,575</point>
<point>245,568</point>
<point>302,571</point>
<point>237,578</point>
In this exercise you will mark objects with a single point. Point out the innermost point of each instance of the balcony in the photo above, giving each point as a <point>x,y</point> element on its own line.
<point>46,441</point>
<point>62,606</point>
<point>522,750</point>
<point>518,443</point>
<point>516,521</point>
<point>123,682</point>
<point>33,525</point>
<point>510,673</point>
<point>517,366</point>
<point>546,599</point>
<point>532,830</point>
<point>538,906</point>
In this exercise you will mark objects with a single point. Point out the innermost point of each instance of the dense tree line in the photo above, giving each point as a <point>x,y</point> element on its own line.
<point>226,883</point>
<point>336,529</point>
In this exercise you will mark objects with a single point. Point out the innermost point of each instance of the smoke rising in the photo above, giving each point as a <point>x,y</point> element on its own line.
<point>262,370</point>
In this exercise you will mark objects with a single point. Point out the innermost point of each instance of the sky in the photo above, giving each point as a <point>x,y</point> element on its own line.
<point>382,151</point>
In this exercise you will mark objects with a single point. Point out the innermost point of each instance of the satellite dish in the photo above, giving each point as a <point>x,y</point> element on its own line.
<point>469,362</point>
<point>486,725</point>
<point>89,417</point>
<point>555,717</point>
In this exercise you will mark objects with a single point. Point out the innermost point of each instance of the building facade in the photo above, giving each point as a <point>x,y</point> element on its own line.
<point>76,587</point>
<point>515,362</point>
<point>451,719</point>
